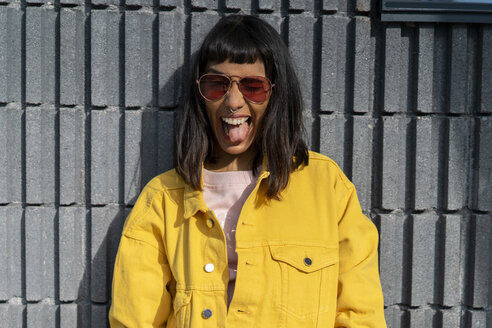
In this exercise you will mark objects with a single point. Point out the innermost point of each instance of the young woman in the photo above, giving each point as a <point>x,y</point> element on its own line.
<point>250,229</point>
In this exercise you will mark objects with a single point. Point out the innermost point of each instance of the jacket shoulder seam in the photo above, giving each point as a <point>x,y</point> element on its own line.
<point>131,236</point>
<point>320,157</point>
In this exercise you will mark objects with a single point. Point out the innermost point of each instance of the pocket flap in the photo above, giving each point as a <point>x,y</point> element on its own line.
<point>305,258</point>
<point>182,298</point>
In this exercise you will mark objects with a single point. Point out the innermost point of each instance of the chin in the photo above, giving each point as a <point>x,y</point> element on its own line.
<point>235,150</point>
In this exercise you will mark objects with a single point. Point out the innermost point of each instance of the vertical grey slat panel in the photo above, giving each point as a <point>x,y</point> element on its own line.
<point>459,84</point>
<point>143,3</point>
<point>301,49</point>
<point>330,5</point>
<point>99,317</point>
<point>362,159</point>
<point>275,20</point>
<point>485,166</point>
<point>333,60</point>
<point>394,164</point>
<point>133,155</point>
<point>209,4</point>
<point>201,23</point>
<point>481,271</point>
<point>106,222</point>
<point>41,314</point>
<point>453,262</point>
<point>270,4</point>
<point>305,5</point>
<point>40,154</point>
<point>238,4</point>
<point>72,57</point>
<point>105,156</point>
<point>171,57</point>
<point>105,68</point>
<point>40,256</point>
<point>394,316</point>
<point>40,55</point>
<point>147,133</point>
<point>72,251</point>
<point>11,153</point>
<point>486,92</point>
<point>11,245</point>
<point>441,65</point>
<point>362,6</point>
<point>148,149</point>
<point>427,162</point>
<point>396,78</point>
<point>106,2</point>
<point>311,131</point>
<point>68,315</point>
<point>77,315</point>
<point>451,318</point>
<point>332,135</point>
<point>421,317</point>
<point>138,58</point>
<point>72,155</point>
<point>391,256</point>
<point>423,259</point>
<point>10,54</point>
<point>426,71</point>
<point>165,141</point>
<point>476,319</point>
<point>364,65</point>
<point>11,314</point>
<point>171,3</point>
<point>72,2</point>
<point>458,162</point>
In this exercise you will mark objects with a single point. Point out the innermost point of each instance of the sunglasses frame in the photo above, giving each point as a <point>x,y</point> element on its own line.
<point>229,77</point>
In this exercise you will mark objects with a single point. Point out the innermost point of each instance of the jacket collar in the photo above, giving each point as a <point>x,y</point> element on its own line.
<point>193,199</point>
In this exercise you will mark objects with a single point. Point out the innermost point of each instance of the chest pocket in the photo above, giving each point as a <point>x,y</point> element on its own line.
<point>308,279</point>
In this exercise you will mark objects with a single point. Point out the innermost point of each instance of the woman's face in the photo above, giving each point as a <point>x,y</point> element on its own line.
<point>235,132</point>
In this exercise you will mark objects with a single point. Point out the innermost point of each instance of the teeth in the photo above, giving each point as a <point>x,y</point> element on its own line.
<point>234,121</point>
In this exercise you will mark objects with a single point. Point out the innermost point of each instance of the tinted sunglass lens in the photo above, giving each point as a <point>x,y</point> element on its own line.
<point>255,89</point>
<point>214,87</point>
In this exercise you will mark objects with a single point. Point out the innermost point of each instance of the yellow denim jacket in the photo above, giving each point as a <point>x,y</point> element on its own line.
<point>308,260</point>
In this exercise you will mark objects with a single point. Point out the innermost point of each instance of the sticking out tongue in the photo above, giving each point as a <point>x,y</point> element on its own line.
<point>238,133</point>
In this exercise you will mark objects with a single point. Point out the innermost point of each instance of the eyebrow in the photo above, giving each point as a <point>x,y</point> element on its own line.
<point>211,70</point>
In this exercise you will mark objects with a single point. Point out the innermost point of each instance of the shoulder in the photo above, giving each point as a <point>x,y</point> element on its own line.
<point>149,204</point>
<point>325,169</point>
<point>169,180</point>
<point>159,185</point>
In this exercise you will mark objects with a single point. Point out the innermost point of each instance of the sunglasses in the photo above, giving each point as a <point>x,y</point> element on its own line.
<point>255,89</point>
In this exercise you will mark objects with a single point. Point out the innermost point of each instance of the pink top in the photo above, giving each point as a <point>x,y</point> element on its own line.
<point>225,194</point>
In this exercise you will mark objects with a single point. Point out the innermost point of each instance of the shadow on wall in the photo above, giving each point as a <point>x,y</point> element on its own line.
<point>147,147</point>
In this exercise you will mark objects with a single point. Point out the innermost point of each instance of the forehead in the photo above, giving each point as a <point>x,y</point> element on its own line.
<point>257,68</point>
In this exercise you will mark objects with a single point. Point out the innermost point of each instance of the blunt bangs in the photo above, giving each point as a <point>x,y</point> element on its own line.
<point>237,39</point>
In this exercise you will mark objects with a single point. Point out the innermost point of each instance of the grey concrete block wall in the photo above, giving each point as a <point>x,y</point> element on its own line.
<point>88,96</point>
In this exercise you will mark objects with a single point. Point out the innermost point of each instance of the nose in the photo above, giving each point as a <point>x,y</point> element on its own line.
<point>234,98</point>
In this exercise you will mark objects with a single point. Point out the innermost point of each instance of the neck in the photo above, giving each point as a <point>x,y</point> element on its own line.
<point>229,162</point>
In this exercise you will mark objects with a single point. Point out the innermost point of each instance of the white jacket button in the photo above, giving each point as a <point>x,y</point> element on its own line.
<point>209,267</point>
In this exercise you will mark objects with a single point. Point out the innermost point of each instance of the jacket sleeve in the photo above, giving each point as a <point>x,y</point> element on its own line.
<point>141,273</point>
<point>360,298</point>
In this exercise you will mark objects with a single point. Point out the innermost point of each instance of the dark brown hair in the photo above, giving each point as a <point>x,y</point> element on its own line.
<point>245,39</point>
